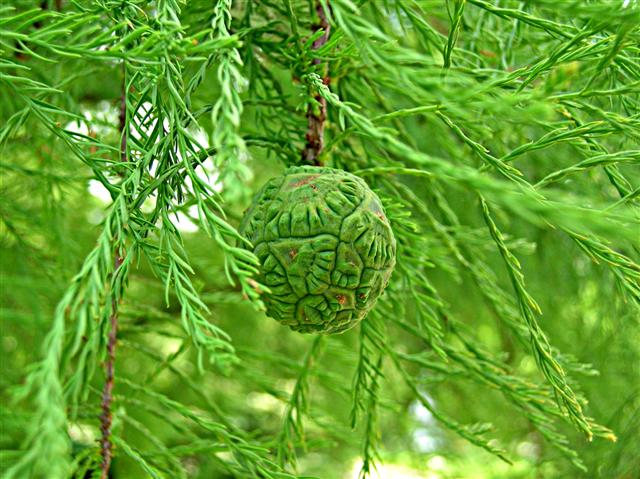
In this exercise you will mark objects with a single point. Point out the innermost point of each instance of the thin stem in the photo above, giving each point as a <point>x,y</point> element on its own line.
<point>106,417</point>
<point>317,117</point>
<point>122,118</point>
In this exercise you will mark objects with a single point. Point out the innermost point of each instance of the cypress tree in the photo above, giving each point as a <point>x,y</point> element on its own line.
<point>502,140</point>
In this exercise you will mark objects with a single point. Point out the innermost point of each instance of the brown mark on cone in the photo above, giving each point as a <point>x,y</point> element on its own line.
<point>304,181</point>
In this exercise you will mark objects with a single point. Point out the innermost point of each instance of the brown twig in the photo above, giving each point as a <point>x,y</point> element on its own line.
<point>122,118</point>
<point>106,417</point>
<point>316,119</point>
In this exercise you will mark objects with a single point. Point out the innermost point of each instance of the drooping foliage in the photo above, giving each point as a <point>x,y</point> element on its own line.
<point>502,138</point>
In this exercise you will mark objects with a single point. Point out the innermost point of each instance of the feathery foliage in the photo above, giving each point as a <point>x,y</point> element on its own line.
<point>503,139</point>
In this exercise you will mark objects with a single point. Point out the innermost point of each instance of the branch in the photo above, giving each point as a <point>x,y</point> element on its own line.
<point>106,418</point>
<point>316,119</point>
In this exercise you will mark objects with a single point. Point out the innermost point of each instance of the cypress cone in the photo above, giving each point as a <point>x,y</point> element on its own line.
<point>325,245</point>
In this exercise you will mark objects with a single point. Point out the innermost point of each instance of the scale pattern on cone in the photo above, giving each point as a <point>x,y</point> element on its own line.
<point>325,245</point>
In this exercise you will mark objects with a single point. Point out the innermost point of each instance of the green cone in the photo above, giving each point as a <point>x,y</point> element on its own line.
<point>326,248</point>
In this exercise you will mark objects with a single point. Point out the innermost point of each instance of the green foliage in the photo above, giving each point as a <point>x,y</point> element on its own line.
<point>502,138</point>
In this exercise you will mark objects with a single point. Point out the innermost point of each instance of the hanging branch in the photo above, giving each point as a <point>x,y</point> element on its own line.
<point>106,417</point>
<point>317,117</point>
